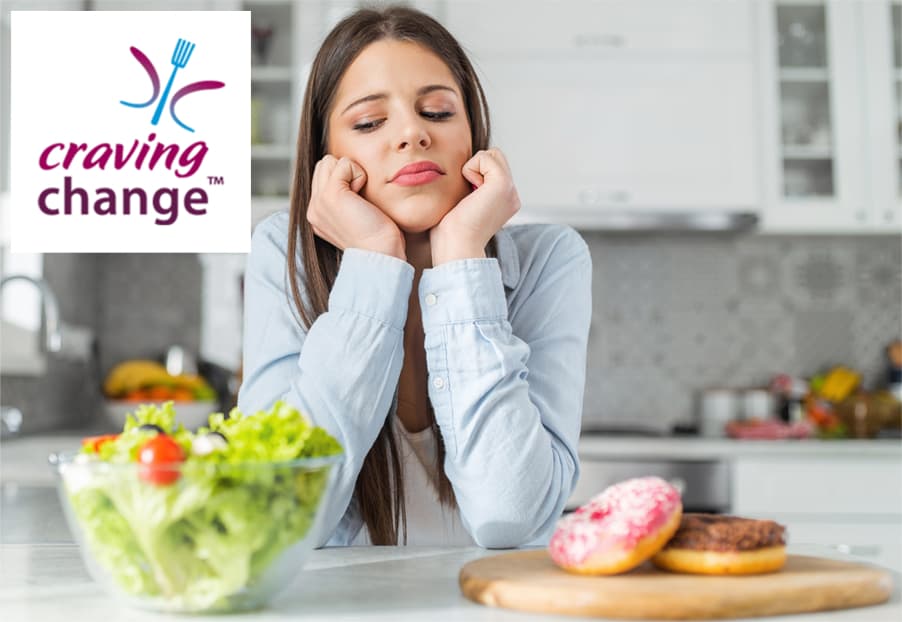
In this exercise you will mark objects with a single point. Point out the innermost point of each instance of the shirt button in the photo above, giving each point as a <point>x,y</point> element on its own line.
<point>439,383</point>
<point>431,299</point>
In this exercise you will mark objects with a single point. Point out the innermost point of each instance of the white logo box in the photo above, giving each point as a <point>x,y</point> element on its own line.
<point>70,71</point>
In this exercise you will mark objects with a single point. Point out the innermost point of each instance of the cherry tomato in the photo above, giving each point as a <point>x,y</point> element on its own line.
<point>96,442</point>
<point>160,458</point>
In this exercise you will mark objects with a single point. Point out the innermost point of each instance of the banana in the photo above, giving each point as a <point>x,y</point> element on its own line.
<point>134,374</point>
<point>839,383</point>
<point>189,381</point>
<point>138,374</point>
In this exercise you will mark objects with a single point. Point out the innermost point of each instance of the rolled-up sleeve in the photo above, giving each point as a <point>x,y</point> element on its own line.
<point>507,387</point>
<point>342,373</point>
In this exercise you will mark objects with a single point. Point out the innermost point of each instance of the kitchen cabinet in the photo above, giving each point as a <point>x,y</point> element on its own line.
<point>150,5</point>
<point>619,105</point>
<point>851,504</point>
<point>620,27</point>
<point>830,88</point>
<point>882,67</point>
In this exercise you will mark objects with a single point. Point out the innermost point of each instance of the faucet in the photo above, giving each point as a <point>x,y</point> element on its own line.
<point>52,338</point>
<point>51,341</point>
<point>12,418</point>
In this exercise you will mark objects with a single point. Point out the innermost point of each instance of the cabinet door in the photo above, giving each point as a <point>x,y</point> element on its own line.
<point>881,37</point>
<point>812,112</point>
<point>505,28</point>
<point>896,42</point>
<point>583,135</point>
<point>151,5</point>
<point>624,104</point>
<point>818,487</point>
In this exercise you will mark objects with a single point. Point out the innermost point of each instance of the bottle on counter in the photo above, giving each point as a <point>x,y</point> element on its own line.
<point>894,368</point>
<point>789,394</point>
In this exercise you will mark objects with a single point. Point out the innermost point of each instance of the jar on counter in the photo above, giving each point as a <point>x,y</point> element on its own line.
<point>718,407</point>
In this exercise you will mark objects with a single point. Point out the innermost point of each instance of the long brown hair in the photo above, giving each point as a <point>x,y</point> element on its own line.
<point>381,475</point>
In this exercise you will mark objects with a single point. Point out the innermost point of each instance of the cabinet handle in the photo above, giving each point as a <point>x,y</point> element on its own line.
<point>594,197</point>
<point>679,483</point>
<point>599,40</point>
<point>861,550</point>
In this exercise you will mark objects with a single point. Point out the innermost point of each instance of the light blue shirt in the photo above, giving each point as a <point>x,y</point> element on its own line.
<point>505,344</point>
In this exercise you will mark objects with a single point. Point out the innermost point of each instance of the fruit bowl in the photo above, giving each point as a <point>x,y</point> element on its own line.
<point>190,414</point>
<point>138,381</point>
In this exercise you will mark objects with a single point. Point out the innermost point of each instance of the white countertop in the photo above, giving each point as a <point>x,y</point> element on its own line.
<point>24,460</point>
<point>48,582</point>
<point>696,448</point>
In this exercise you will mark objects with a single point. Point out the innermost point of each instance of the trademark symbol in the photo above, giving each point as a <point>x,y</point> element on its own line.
<point>215,180</point>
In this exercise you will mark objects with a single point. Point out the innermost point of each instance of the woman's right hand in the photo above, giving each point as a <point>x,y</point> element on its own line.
<point>339,215</point>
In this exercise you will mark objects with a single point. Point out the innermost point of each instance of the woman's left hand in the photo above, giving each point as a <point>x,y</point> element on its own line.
<point>468,227</point>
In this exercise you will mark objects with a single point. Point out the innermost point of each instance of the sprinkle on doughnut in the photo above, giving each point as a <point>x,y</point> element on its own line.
<point>614,521</point>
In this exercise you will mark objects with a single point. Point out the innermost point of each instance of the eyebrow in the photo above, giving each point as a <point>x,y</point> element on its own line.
<point>420,92</point>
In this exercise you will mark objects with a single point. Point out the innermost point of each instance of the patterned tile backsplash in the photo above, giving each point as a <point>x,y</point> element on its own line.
<point>676,314</point>
<point>673,314</point>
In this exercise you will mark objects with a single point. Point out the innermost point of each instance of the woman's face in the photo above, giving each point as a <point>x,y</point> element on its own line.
<point>398,104</point>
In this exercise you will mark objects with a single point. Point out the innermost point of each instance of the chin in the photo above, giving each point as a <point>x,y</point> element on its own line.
<point>417,222</point>
<point>418,214</point>
<point>415,227</point>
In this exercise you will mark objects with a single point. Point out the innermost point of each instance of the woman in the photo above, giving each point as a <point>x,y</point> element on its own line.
<point>446,354</point>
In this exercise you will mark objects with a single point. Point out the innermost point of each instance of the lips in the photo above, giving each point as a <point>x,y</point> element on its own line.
<point>418,172</point>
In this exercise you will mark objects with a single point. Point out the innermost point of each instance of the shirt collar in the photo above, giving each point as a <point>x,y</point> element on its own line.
<point>508,258</point>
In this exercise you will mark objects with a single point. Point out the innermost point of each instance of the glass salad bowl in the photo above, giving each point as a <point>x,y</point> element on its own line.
<point>174,521</point>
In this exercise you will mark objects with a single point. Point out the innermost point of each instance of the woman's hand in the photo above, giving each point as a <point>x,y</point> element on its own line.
<point>341,216</point>
<point>468,227</point>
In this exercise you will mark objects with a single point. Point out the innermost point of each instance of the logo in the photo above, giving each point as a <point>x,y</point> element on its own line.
<point>180,57</point>
<point>114,153</point>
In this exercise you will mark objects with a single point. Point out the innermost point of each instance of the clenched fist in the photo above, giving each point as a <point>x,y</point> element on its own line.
<point>467,228</point>
<point>339,215</point>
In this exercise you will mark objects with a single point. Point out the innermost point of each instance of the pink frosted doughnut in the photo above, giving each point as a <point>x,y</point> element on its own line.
<point>618,529</point>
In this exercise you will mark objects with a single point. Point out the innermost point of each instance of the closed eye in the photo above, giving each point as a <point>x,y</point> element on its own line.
<point>437,115</point>
<point>372,125</point>
<point>366,127</point>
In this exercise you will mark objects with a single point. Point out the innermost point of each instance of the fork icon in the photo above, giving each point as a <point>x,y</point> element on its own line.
<point>180,57</point>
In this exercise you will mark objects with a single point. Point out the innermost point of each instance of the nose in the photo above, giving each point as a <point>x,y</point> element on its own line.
<point>414,132</point>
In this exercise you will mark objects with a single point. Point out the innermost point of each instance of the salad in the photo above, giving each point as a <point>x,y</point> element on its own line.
<point>192,518</point>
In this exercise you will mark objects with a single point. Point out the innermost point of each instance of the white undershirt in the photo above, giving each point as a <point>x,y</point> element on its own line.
<point>429,523</point>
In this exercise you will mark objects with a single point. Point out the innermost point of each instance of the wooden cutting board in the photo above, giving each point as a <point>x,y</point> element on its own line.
<point>530,581</point>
